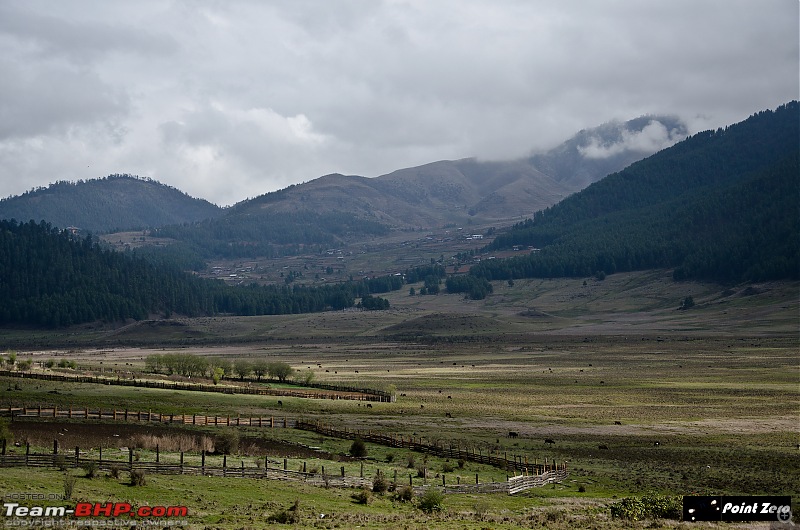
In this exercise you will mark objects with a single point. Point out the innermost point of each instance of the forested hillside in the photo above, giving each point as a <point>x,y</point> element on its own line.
<point>721,205</point>
<point>48,278</point>
<point>113,203</point>
<point>248,230</point>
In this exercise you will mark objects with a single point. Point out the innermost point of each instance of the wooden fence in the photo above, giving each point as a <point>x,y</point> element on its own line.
<point>271,470</point>
<point>149,417</point>
<point>534,474</point>
<point>323,391</point>
<point>501,461</point>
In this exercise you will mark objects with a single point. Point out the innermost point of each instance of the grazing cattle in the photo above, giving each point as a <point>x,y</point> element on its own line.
<point>448,415</point>
<point>449,397</point>
<point>422,406</point>
<point>602,447</point>
<point>549,441</point>
<point>513,434</point>
<point>617,423</point>
<point>402,395</point>
<point>369,405</point>
<point>280,403</point>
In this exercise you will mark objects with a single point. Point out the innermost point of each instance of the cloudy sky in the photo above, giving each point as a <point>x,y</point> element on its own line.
<point>231,99</point>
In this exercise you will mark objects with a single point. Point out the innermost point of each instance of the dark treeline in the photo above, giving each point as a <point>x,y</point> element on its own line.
<point>419,274</point>
<point>49,278</point>
<point>474,287</point>
<point>722,205</point>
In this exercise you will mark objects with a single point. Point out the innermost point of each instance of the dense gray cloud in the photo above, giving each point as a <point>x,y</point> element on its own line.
<point>228,100</point>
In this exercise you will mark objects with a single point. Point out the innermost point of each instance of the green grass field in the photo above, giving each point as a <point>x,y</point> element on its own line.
<point>610,364</point>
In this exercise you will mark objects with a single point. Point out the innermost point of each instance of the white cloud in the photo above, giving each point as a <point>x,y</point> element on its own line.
<point>653,137</point>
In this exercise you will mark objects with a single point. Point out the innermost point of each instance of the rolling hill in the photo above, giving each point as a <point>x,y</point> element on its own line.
<point>335,209</point>
<point>113,203</point>
<point>721,205</point>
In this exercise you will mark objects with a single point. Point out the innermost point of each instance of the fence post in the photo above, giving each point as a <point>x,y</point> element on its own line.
<point>343,471</point>
<point>284,464</point>
<point>304,467</point>
<point>130,458</point>
<point>77,455</point>
<point>181,462</point>
<point>158,453</point>
<point>203,460</point>
<point>362,469</point>
<point>101,455</point>
<point>476,479</point>
<point>55,446</point>
<point>27,452</point>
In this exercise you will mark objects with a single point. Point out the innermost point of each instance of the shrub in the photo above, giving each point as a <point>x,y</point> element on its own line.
<point>363,496</point>
<point>89,468</point>
<point>60,461</point>
<point>290,515</point>
<point>358,449</point>
<point>447,467</point>
<point>481,508</point>
<point>380,483</point>
<point>649,506</point>
<point>431,501</point>
<point>69,486</point>
<point>461,463</point>
<point>227,442</point>
<point>138,477</point>
<point>404,493</point>
<point>114,471</point>
<point>411,462</point>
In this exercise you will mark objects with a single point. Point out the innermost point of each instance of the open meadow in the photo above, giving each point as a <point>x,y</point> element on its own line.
<point>608,378</point>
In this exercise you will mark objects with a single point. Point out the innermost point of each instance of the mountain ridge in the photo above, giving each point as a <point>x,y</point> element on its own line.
<point>439,193</point>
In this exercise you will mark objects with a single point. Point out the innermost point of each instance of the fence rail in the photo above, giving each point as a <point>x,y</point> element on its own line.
<point>149,417</point>
<point>515,463</point>
<point>323,391</point>
<point>533,474</point>
<point>513,486</point>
